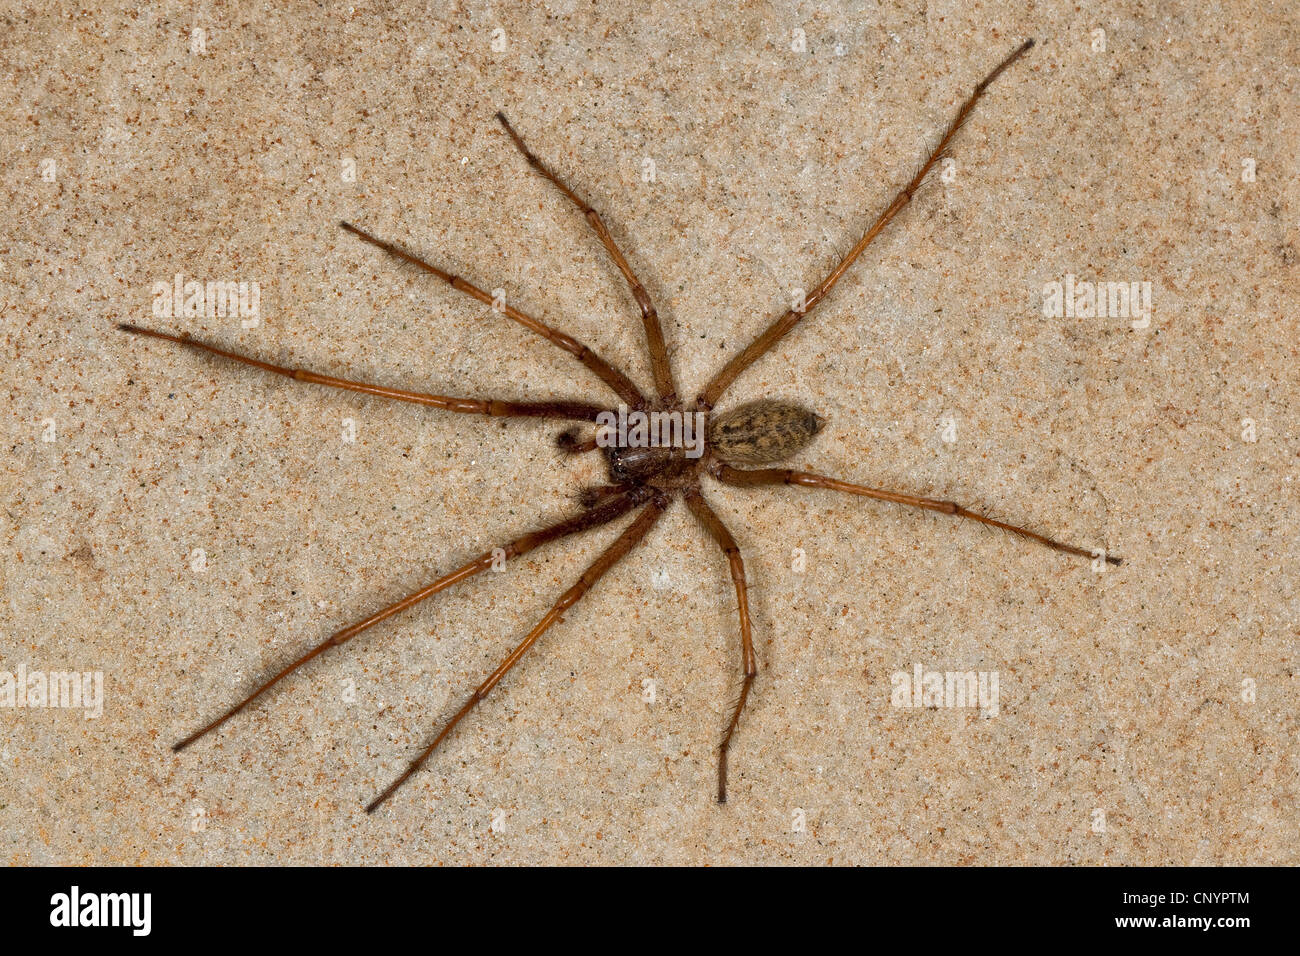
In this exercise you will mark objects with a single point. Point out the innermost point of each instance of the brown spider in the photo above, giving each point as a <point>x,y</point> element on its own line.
<point>643,475</point>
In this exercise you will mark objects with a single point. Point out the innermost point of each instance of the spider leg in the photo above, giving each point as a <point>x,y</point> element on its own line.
<point>660,367</point>
<point>593,494</point>
<point>611,376</point>
<point>582,447</point>
<point>778,329</point>
<point>713,524</point>
<point>580,411</point>
<point>605,512</point>
<point>624,543</point>
<point>807,479</point>
<point>571,442</point>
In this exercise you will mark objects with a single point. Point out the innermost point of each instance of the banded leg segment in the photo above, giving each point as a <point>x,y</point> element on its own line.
<point>605,512</point>
<point>625,542</point>
<point>660,366</point>
<point>611,376</point>
<point>778,329</point>
<point>749,664</point>
<point>569,411</point>
<point>807,479</point>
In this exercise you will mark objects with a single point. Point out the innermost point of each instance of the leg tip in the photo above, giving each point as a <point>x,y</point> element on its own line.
<point>376,803</point>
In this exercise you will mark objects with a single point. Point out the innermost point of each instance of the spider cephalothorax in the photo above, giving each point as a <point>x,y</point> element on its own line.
<point>646,471</point>
<point>633,464</point>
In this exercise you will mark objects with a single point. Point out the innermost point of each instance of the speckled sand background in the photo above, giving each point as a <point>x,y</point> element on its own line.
<point>1126,693</point>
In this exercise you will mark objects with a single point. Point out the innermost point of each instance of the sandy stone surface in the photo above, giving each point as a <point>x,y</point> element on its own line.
<point>182,527</point>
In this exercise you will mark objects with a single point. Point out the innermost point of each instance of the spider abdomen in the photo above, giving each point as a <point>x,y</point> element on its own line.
<point>763,432</point>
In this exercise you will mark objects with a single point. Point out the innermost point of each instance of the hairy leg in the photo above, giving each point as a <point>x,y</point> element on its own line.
<point>749,665</point>
<point>580,411</point>
<point>778,329</point>
<point>807,479</point>
<point>605,512</point>
<point>611,376</point>
<point>608,558</point>
<point>660,366</point>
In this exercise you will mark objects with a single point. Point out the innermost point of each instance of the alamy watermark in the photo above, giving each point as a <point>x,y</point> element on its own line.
<point>637,429</point>
<point>75,908</point>
<point>922,688</point>
<point>1074,298</point>
<point>71,690</point>
<point>213,299</point>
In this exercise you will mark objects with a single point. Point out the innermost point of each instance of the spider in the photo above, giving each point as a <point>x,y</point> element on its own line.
<point>645,477</point>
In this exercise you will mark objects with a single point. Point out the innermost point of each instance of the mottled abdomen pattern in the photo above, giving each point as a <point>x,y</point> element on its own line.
<point>763,432</point>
